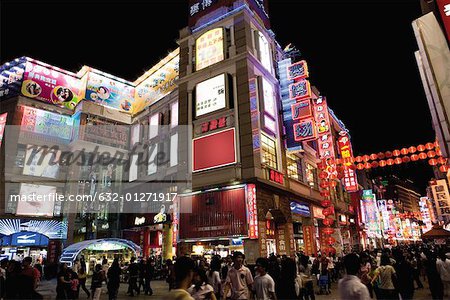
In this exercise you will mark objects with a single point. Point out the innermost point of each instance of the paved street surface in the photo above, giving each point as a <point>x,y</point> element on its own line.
<point>47,289</point>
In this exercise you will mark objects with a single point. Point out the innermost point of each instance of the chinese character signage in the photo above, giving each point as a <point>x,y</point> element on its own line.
<point>301,110</point>
<point>300,90</point>
<point>425,213</point>
<point>441,198</point>
<point>309,240</point>
<point>50,85</point>
<point>304,130</point>
<point>345,149</point>
<point>2,126</point>
<point>323,126</point>
<point>370,213</point>
<point>211,95</point>
<point>276,176</point>
<point>199,6</point>
<point>298,71</point>
<point>47,123</point>
<point>209,48</point>
<point>252,212</point>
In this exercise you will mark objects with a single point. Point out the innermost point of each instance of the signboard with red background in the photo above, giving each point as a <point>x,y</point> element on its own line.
<point>325,138</point>
<point>252,212</point>
<point>345,149</point>
<point>444,10</point>
<point>309,240</point>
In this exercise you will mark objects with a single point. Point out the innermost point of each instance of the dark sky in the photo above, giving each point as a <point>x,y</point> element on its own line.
<point>360,54</point>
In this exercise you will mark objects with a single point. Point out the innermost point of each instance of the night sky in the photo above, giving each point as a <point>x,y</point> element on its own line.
<point>360,55</point>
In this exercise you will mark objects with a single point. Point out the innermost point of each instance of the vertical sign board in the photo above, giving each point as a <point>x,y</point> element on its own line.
<point>441,197</point>
<point>309,240</point>
<point>325,138</point>
<point>425,213</point>
<point>444,10</point>
<point>345,149</point>
<point>371,214</point>
<point>209,48</point>
<point>252,212</point>
<point>2,126</point>
<point>254,111</point>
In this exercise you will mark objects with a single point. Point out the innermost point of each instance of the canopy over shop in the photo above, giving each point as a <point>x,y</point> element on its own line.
<point>437,234</point>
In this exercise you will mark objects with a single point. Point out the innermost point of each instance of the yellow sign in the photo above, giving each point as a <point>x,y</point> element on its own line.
<point>209,48</point>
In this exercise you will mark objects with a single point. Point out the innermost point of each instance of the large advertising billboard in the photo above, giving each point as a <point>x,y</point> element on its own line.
<point>29,203</point>
<point>41,163</point>
<point>47,123</point>
<point>107,91</point>
<point>346,151</point>
<point>211,95</point>
<point>209,48</point>
<point>11,76</point>
<point>325,142</point>
<point>441,198</point>
<point>52,85</point>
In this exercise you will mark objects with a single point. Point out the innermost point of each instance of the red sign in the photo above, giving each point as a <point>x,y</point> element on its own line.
<point>301,110</point>
<point>214,150</point>
<point>444,10</point>
<point>252,212</point>
<point>309,240</point>
<point>300,90</point>
<point>214,124</point>
<point>305,130</point>
<point>276,176</point>
<point>345,149</point>
<point>323,125</point>
<point>213,214</point>
<point>2,126</point>
<point>298,71</point>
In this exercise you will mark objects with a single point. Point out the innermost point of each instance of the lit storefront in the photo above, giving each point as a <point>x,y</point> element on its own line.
<point>301,217</point>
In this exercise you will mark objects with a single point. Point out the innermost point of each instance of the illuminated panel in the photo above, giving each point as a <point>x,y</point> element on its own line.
<point>209,48</point>
<point>47,123</point>
<point>211,95</point>
<point>346,151</point>
<point>31,206</point>
<point>2,126</point>
<point>252,212</point>
<point>298,71</point>
<point>304,130</point>
<point>300,90</point>
<point>323,125</point>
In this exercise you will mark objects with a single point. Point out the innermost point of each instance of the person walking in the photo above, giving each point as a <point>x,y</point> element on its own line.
<point>142,270</point>
<point>239,279</point>
<point>149,273</point>
<point>30,278</point>
<point>97,279</point>
<point>288,275</point>
<point>364,273</point>
<point>264,285</point>
<point>12,282</point>
<point>350,286</point>
<point>63,283</point>
<point>113,276</point>
<point>387,275</point>
<point>405,275</point>
<point>82,276</point>
<point>434,280</point>
<point>133,273</point>
<point>183,274</point>
<point>443,268</point>
<point>214,276</point>
<point>201,289</point>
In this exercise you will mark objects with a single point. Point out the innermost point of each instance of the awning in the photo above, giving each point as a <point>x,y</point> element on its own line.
<point>437,232</point>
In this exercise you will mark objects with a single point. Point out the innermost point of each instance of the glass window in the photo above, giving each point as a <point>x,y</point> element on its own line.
<point>174,150</point>
<point>264,52</point>
<point>269,152</point>
<point>174,114</point>
<point>294,167</point>
<point>311,175</point>
<point>153,128</point>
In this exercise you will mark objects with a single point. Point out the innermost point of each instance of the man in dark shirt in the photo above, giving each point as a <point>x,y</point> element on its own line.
<point>149,271</point>
<point>133,271</point>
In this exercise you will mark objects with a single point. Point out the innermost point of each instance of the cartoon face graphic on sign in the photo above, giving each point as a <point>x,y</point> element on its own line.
<point>31,88</point>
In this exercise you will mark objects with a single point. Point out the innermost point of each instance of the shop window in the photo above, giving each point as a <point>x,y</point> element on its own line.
<point>174,114</point>
<point>154,124</point>
<point>174,150</point>
<point>295,167</point>
<point>311,176</point>
<point>264,51</point>
<point>269,152</point>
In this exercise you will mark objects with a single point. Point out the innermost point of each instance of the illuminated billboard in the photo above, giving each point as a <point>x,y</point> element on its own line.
<point>36,200</point>
<point>47,123</point>
<point>211,95</point>
<point>209,48</point>
<point>346,151</point>
<point>42,163</point>
<point>325,142</point>
<point>52,85</point>
<point>11,76</point>
<point>2,126</point>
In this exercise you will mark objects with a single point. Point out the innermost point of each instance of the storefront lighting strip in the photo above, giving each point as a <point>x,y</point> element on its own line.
<point>222,17</point>
<point>230,187</point>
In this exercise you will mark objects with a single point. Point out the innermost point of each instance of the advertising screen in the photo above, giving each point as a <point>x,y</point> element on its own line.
<point>209,48</point>
<point>269,97</point>
<point>11,75</point>
<point>264,52</point>
<point>210,95</point>
<point>214,150</point>
<point>157,85</point>
<point>29,204</point>
<point>47,123</point>
<point>109,92</point>
<point>39,162</point>
<point>48,84</point>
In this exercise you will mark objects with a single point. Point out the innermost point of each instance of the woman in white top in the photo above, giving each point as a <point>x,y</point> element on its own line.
<point>201,289</point>
<point>214,276</point>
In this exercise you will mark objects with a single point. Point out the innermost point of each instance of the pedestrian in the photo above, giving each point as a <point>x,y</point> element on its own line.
<point>3,268</point>
<point>350,286</point>
<point>405,275</point>
<point>387,275</point>
<point>415,262</point>
<point>286,287</point>
<point>63,282</point>
<point>30,278</point>
<point>264,285</point>
<point>170,279</point>
<point>443,268</point>
<point>12,282</point>
<point>214,276</point>
<point>113,276</point>
<point>142,270</point>
<point>133,273</point>
<point>149,273</point>
<point>74,285</point>
<point>183,274</point>
<point>83,263</point>
<point>239,279</point>
<point>82,276</point>
<point>364,273</point>
<point>274,271</point>
<point>97,279</point>
<point>434,279</point>
<point>201,289</point>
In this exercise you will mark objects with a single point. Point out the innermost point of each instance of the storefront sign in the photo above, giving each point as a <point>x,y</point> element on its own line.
<point>268,97</point>
<point>214,150</point>
<point>444,10</point>
<point>41,163</point>
<point>276,176</point>
<point>159,82</point>
<point>47,123</point>
<point>52,229</point>
<point>309,240</point>
<point>301,110</point>
<point>304,130</point>
<point>252,212</point>
<point>27,239</point>
<point>264,52</point>
<point>317,212</point>
<point>370,213</point>
<point>2,126</point>
<point>346,151</point>
<point>325,142</point>
<point>425,213</point>
<point>254,111</point>
<point>200,5</point>
<point>48,84</point>
<point>300,90</point>
<point>29,204</point>
<point>441,197</point>
<point>214,124</point>
<point>139,221</point>
<point>385,214</point>
<point>301,209</point>
<point>209,48</point>
<point>160,217</point>
<point>298,71</point>
<point>211,95</point>
<point>106,246</point>
<point>11,76</point>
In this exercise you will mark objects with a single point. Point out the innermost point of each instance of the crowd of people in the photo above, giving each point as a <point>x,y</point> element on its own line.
<point>19,280</point>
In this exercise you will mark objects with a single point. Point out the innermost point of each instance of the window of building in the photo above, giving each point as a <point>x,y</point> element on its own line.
<point>154,124</point>
<point>294,167</point>
<point>265,55</point>
<point>174,114</point>
<point>311,175</point>
<point>269,152</point>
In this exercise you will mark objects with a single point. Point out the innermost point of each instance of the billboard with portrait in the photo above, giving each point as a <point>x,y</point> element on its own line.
<point>52,85</point>
<point>11,76</point>
<point>31,206</point>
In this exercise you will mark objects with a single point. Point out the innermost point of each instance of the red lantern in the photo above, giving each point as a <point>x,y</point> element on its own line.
<point>333,183</point>
<point>324,184</point>
<point>373,156</point>
<point>388,154</point>
<point>325,203</point>
<point>382,163</point>
<point>429,146</point>
<point>367,165</point>
<point>327,230</point>
<point>414,157</point>
<point>381,155</point>
<point>390,162</point>
<point>412,149</point>
<point>431,154</point>
<point>433,162</point>
<point>325,193</point>
<point>330,240</point>
<point>366,157</point>
<point>442,160</point>
<point>353,167</point>
<point>358,159</point>
<point>360,166</point>
<point>421,148</point>
<point>321,166</point>
<point>406,159</point>
<point>327,211</point>
<point>323,175</point>
<point>328,222</point>
<point>374,164</point>
<point>443,168</point>
<point>438,152</point>
<point>423,155</point>
<point>404,151</point>
<point>396,152</point>
<point>398,161</point>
